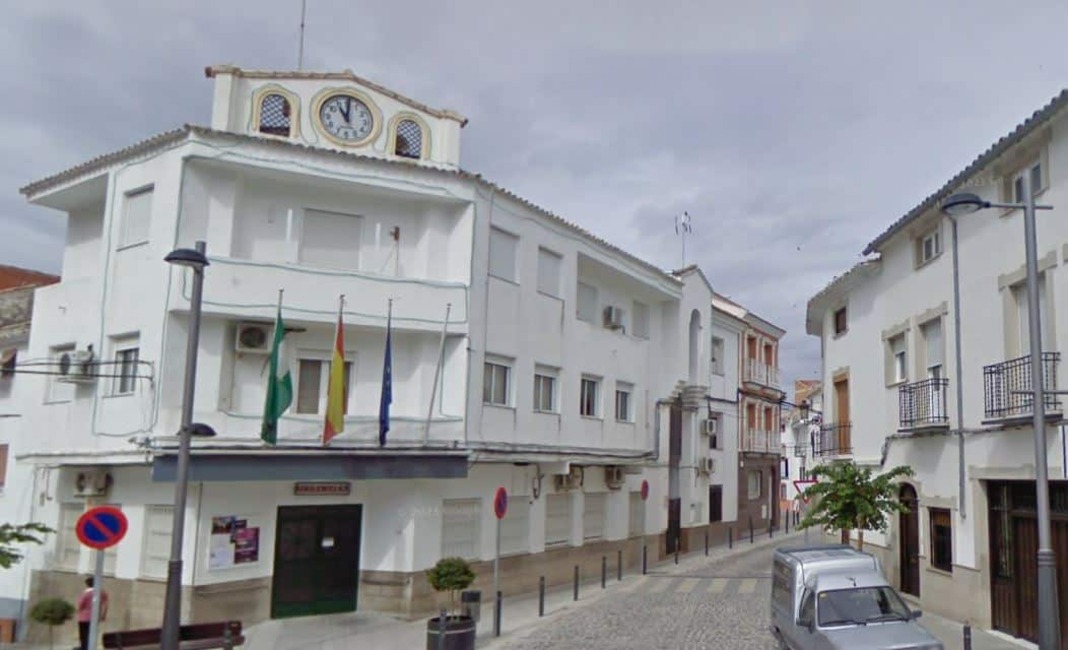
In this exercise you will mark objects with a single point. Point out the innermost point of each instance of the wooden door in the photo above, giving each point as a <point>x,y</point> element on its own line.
<point>316,560</point>
<point>909,542</point>
<point>841,418</point>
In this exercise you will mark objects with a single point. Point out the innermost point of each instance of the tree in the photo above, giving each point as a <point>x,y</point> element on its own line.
<point>11,535</point>
<point>52,612</point>
<point>451,574</point>
<point>848,497</point>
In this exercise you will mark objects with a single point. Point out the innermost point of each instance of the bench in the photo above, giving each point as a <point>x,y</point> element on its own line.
<point>202,636</point>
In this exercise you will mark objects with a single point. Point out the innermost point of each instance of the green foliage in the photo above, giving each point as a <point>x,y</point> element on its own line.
<point>848,497</point>
<point>11,535</point>
<point>52,611</point>
<point>451,574</point>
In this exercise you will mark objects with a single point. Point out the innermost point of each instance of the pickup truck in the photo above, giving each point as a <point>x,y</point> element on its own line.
<point>834,597</point>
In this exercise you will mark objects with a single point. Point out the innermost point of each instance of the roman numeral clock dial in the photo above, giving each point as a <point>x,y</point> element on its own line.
<point>346,118</point>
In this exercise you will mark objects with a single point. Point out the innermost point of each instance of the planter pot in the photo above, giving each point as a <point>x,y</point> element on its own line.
<point>459,633</point>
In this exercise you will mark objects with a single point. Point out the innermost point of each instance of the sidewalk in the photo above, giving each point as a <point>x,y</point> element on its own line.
<point>951,634</point>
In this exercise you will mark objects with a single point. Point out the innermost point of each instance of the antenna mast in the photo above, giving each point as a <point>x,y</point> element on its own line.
<point>683,227</point>
<point>300,52</point>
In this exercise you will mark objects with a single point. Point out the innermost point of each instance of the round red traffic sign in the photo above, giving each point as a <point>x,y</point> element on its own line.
<point>645,489</point>
<point>101,527</point>
<point>500,503</point>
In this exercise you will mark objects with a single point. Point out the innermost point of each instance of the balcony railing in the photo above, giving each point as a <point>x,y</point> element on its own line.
<point>759,372</point>
<point>760,442</point>
<point>1005,387</point>
<point>834,440</point>
<point>923,404</point>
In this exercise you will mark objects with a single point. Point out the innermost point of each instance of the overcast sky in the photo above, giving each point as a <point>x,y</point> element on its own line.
<point>792,132</point>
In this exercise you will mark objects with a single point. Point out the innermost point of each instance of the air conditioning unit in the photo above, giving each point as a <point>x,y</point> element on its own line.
<point>76,367</point>
<point>614,477</point>
<point>710,427</point>
<point>570,481</point>
<point>253,338</point>
<point>92,483</point>
<point>708,465</point>
<point>613,317</point>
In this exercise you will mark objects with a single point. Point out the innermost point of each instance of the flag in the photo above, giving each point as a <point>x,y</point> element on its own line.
<point>335,391</point>
<point>387,382</point>
<point>279,383</point>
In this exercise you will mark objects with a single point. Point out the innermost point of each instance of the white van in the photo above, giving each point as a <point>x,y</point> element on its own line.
<point>834,597</point>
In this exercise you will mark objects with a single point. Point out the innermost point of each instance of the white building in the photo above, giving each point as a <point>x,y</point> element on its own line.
<point>893,388</point>
<point>800,441</point>
<point>572,371</point>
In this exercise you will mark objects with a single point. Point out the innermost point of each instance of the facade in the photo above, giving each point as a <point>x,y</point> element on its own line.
<point>897,393</point>
<point>17,287</point>
<point>526,354</point>
<point>800,440</point>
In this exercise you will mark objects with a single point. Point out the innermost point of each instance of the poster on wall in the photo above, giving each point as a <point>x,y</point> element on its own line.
<point>233,542</point>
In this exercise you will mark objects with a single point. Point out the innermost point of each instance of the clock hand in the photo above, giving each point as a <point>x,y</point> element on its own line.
<point>347,111</point>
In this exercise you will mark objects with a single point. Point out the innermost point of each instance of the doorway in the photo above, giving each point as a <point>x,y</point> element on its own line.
<point>909,542</point>
<point>316,560</point>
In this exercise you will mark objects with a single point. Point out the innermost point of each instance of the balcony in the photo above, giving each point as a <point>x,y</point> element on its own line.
<point>1005,387</point>
<point>922,405</point>
<point>758,372</point>
<point>755,441</point>
<point>834,439</point>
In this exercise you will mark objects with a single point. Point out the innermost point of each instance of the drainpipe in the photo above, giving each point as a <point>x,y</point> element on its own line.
<point>960,374</point>
<point>655,453</point>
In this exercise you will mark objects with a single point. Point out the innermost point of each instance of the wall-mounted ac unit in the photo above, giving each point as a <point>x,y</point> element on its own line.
<point>613,317</point>
<point>76,367</point>
<point>710,426</point>
<point>92,483</point>
<point>614,477</point>
<point>253,338</point>
<point>570,481</point>
<point>708,465</point>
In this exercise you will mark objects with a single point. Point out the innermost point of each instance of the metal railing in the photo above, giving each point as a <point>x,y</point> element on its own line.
<point>1005,385</point>
<point>761,442</point>
<point>759,372</point>
<point>835,439</point>
<point>923,404</point>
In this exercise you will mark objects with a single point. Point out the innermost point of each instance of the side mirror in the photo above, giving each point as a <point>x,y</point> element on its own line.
<point>916,613</point>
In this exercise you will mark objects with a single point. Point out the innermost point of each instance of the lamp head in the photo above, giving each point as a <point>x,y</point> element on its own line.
<point>965,203</point>
<point>187,257</point>
<point>804,409</point>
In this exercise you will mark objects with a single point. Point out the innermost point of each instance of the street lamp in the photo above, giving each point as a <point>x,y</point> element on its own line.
<point>1048,612</point>
<point>172,607</point>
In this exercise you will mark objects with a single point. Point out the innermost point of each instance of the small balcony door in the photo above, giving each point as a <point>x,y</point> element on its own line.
<point>841,410</point>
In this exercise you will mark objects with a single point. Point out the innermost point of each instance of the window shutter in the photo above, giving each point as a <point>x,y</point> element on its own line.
<point>932,333</point>
<point>557,519</point>
<point>549,264</point>
<point>502,254</point>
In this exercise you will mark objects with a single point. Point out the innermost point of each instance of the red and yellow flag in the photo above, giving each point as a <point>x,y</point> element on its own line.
<point>335,392</point>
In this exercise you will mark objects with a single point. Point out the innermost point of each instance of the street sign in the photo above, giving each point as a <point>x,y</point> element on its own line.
<point>500,503</point>
<point>802,486</point>
<point>101,527</point>
<point>645,490</point>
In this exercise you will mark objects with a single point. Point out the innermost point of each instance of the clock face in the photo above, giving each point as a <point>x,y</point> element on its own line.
<point>346,118</point>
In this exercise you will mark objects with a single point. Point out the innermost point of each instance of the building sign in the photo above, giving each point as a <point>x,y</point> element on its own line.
<point>331,489</point>
<point>233,542</point>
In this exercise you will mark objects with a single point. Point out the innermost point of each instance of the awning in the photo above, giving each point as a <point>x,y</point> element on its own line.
<point>278,466</point>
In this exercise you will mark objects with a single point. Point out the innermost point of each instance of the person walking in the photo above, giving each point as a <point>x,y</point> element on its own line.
<point>85,612</point>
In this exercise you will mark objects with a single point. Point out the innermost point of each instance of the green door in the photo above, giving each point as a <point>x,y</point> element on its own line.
<point>316,560</point>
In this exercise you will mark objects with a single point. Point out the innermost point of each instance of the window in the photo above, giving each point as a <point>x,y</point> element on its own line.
<point>640,324</point>
<point>557,519</point>
<point>275,115</point>
<point>330,240</point>
<point>755,482</point>
<point>636,527</point>
<point>713,438</point>
<point>3,464</point>
<point>313,381</point>
<point>68,548</point>
<point>941,539</point>
<point>718,366</point>
<point>898,359</point>
<point>1019,293</point>
<point>840,322</point>
<point>59,390</point>
<point>460,528</point>
<point>544,390</point>
<point>136,217</point>
<point>409,140</point>
<point>929,246</point>
<point>549,265</point>
<point>156,544</point>
<point>515,527</point>
<point>125,368</point>
<point>495,383</point>
<point>932,338</point>
<point>586,309</point>
<point>502,257</point>
<point>623,405</point>
<point>593,517</point>
<point>589,397</point>
<point>715,503</point>
<point>1035,169</point>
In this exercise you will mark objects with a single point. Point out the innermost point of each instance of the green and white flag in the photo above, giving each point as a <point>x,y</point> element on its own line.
<point>279,383</point>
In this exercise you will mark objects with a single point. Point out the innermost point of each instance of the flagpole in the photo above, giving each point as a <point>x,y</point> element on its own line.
<point>387,376</point>
<point>330,387</point>
<point>437,371</point>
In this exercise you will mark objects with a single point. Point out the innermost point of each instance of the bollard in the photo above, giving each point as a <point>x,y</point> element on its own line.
<point>576,581</point>
<point>619,565</point>
<point>750,530</point>
<point>678,543</point>
<point>604,570</point>
<point>645,557</point>
<point>771,527</point>
<point>706,542</point>
<point>441,631</point>
<point>541,596</point>
<point>730,537</point>
<point>788,524</point>
<point>967,636</point>
<point>497,616</point>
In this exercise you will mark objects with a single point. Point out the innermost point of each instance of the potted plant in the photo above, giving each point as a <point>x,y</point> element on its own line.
<point>451,574</point>
<point>52,612</point>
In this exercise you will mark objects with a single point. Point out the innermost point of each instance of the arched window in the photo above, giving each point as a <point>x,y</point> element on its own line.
<point>274,115</point>
<point>409,139</point>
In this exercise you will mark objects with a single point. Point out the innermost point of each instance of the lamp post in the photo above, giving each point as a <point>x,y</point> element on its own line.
<point>172,607</point>
<point>1048,612</point>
